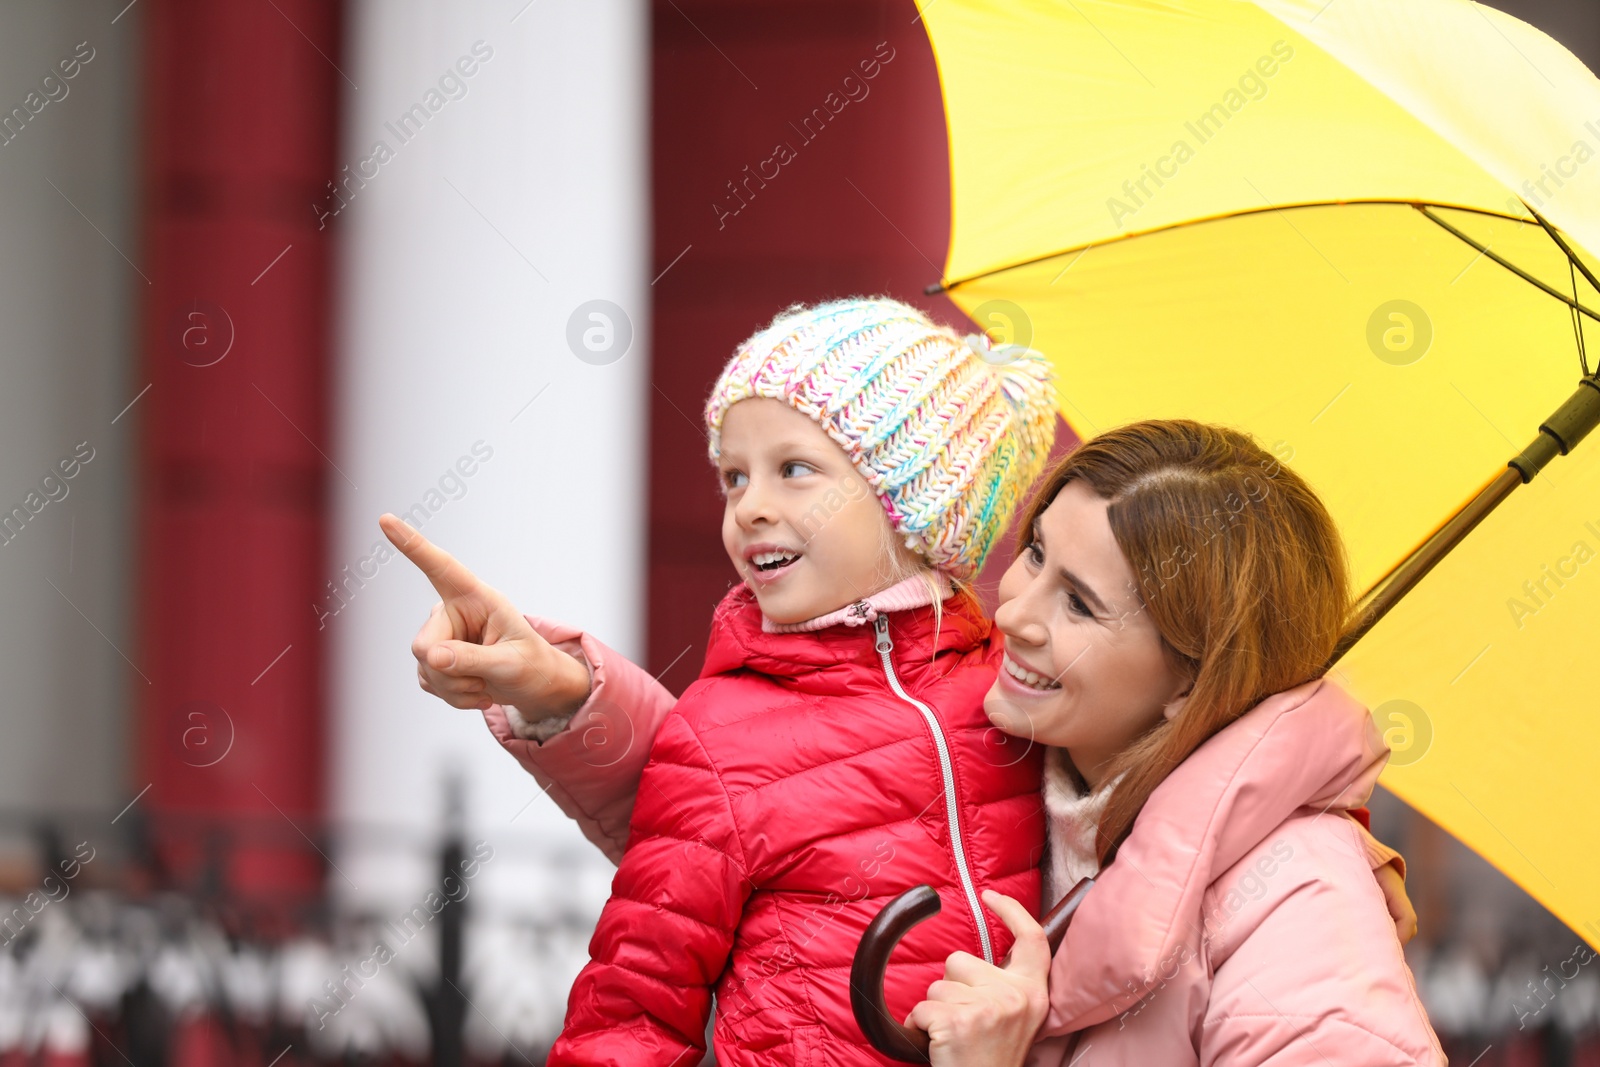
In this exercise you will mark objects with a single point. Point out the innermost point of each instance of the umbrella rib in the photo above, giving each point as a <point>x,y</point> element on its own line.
<point>1577,326</point>
<point>944,287</point>
<point>1574,266</point>
<point>1572,257</point>
<point>1571,302</point>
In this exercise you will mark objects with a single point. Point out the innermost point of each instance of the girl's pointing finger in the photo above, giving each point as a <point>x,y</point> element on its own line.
<point>444,571</point>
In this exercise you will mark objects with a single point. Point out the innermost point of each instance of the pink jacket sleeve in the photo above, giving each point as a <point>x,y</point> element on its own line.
<point>1312,973</point>
<point>590,762</point>
<point>1378,853</point>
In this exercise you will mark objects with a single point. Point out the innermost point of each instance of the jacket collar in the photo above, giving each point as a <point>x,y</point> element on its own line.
<point>1313,746</point>
<point>738,639</point>
<point>912,592</point>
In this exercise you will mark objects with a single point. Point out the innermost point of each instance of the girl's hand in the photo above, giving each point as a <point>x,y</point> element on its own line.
<point>476,649</point>
<point>980,1015</point>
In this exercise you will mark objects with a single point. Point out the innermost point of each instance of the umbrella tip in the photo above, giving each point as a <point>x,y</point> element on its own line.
<point>933,290</point>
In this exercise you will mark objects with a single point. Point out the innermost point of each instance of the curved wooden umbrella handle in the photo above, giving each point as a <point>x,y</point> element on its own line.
<point>894,1039</point>
<point>889,1036</point>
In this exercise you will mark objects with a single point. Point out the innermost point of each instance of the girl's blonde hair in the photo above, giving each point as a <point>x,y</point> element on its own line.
<point>897,556</point>
<point>1238,564</point>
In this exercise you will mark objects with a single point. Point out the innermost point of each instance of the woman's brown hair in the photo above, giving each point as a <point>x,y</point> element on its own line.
<point>1238,564</point>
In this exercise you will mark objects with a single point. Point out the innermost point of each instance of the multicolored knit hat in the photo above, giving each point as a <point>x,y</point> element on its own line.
<point>948,432</point>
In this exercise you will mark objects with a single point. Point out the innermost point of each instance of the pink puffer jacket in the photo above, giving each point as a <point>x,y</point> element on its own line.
<point>1240,923</point>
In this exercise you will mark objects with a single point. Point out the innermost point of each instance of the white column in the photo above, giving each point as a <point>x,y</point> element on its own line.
<point>69,278</point>
<point>497,167</point>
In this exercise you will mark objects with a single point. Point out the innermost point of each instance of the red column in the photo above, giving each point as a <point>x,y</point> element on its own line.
<point>799,154</point>
<point>239,141</point>
<point>856,204</point>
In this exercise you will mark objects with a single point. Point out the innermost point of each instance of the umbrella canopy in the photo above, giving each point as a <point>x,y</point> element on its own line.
<point>1318,221</point>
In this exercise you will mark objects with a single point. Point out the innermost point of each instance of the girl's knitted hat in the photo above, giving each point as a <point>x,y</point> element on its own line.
<point>949,432</point>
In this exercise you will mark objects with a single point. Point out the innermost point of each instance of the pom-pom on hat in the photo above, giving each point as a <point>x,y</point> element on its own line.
<point>948,431</point>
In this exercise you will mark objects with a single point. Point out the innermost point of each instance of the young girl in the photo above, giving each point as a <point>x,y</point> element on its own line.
<point>835,751</point>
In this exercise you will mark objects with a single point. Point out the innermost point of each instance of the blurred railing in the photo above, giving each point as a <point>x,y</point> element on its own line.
<point>1531,1010</point>
<point>105,960</point>
<point>108,959</point>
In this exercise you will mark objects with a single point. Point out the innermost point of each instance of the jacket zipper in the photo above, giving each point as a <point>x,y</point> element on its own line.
<point>947,771</point>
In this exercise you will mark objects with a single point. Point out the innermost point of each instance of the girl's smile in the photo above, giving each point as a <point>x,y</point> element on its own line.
<point>799,524</point>
<point>767,563</point>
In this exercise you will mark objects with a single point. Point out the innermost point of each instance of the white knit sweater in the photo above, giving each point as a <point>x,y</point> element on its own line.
<point>1071,818</point>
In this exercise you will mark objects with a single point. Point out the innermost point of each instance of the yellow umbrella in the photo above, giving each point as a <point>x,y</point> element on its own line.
<point>1341,225</point>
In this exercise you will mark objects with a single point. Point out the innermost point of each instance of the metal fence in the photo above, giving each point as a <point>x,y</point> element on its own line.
<point>103,962</point>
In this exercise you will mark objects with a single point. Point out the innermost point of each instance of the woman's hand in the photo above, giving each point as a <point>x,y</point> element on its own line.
<point>980,1015</point>
<point>476,649</point>
<point>1394,895</point>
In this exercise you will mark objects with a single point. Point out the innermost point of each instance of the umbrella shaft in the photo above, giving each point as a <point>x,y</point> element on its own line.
<point>1558,435</point>
<point>1561,432</point>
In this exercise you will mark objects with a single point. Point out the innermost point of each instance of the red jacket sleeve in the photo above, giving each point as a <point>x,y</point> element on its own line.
<point>591,767</point>
<point>665,935</point>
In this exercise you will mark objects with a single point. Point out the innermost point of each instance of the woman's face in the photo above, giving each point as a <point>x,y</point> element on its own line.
<point>801,527</point>
<point>1094,675</point>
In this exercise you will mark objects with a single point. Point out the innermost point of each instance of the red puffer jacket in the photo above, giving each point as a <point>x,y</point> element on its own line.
<point>802,782</point>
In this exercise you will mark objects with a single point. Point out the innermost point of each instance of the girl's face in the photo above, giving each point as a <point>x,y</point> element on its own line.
<point>800,526</point>
<point>1094,677</point>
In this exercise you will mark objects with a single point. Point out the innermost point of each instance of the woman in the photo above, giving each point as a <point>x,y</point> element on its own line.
<point>1165,629</point>
<point>1238,923</point>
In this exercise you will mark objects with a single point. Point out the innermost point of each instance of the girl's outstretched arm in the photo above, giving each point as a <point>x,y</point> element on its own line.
<point>1389,868</point>
<point>577,715</point>
<point>590,760</point>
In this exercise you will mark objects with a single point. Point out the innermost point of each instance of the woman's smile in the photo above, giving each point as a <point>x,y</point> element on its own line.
<point>1026,678</point>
